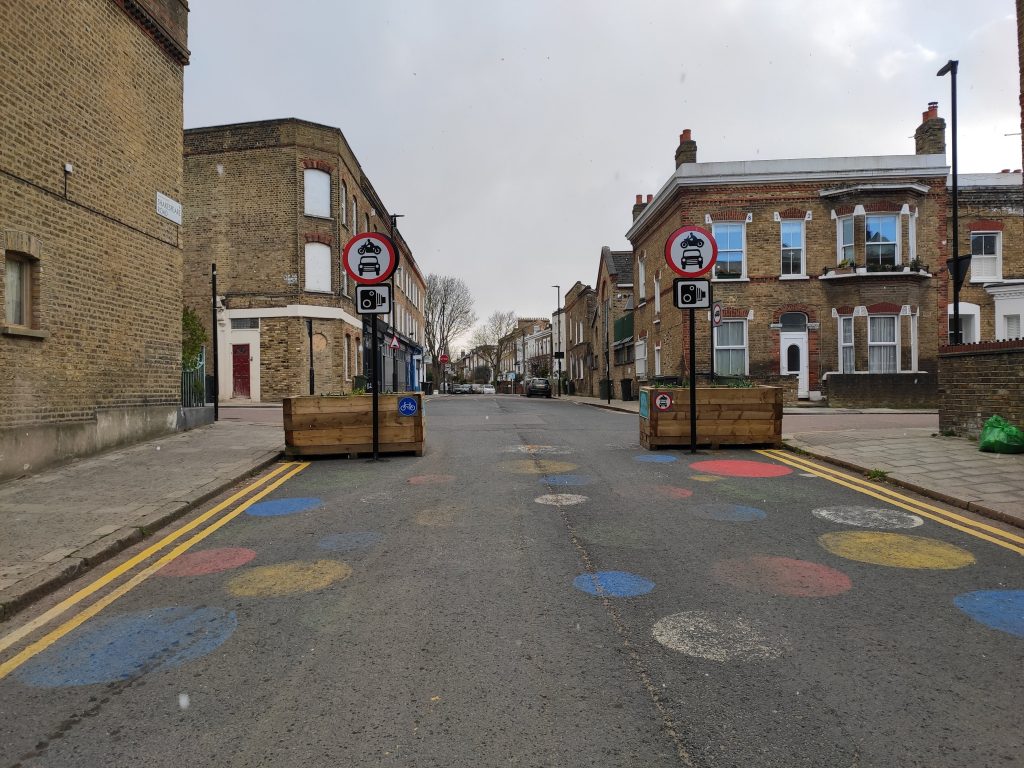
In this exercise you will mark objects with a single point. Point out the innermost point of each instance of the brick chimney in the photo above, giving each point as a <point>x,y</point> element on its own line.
<point>930,136</point>
<point>639,205</point>
<point>687,151</point>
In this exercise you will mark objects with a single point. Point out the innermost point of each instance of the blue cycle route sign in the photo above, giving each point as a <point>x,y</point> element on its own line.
<point>407,406</point>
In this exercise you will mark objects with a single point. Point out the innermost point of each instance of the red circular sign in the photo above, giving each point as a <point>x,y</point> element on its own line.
<point>663,401</point>
<point>444,358</point>
<point>370,258</point>
<point>691,251</point>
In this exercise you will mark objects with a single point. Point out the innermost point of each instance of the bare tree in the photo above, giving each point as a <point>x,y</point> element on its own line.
<point>492,339</point>
<point>447,314</point>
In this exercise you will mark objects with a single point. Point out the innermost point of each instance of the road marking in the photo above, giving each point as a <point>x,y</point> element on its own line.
<point>719,636</point>
<point>896,550</point>
<point>1005,539</point>
<point>288,578</point>
<point>40,621</point>
<point>47,640</point>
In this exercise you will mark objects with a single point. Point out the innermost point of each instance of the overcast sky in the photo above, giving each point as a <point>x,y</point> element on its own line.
<point>514,135</point>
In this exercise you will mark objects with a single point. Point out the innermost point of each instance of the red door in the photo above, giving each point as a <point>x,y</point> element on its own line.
<point>240,370</point>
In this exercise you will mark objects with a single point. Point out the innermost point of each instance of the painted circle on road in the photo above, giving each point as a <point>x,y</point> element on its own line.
<point>655,458</point>
<point>731,513</point>
<point>741,468</point>
<point>437,517</point>
<point>561,499</point>
<point>1001,609</point>
<point>613,584</point>
<point>705,478</point>
<point>538,467</point>
<point>718,636</point>
<point>288,578</point>
<point>565,480</point>
<point>896,550</point>
<point>349,542</point>
<point>673,492</point>
<point>868,517</point>
<point>781,576</point>
<point>280,507</point>
<point>208,561</point>
<point>123,647</point>
<point>540,450</point>
<point>430,479</point>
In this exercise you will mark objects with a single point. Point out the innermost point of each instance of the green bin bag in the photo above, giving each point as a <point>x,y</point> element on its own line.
<point>1000,436</point>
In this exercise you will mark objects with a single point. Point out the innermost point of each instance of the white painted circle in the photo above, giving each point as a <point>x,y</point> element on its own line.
<point>560,499</point>
<point>868,517</point>
<point>718,636</point>
<point>540,450</point>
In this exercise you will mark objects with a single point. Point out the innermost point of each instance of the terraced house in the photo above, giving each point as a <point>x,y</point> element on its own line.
<point>90,215</point>
<point>272,204</point>
<point>831,271</point>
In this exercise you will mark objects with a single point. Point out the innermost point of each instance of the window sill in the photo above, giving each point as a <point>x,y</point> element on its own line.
<point>24,332</point>
<point>319,293</point>
<point>318,216</point>
<point>730,279</point>
<point>794,277</point>
<point>656,320</point>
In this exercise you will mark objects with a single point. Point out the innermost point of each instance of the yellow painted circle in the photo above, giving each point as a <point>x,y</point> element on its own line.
<point>705,478</point>
<point>538,467</point>
<point>436,517</point>
<point>288,578</point>
<point>897,550</point>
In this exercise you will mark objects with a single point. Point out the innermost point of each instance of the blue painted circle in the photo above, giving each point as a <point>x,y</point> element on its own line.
<point>407,406</point>
<point>349,542</point>
<point>613,584</point>
<point>565,480</point>
<point>1001,609</point>
<point>657,458</point>
<point>279,507</point>
<point>732,514</point>
<point>123,647</point>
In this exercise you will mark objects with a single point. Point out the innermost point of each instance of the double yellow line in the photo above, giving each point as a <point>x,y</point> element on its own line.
<point>282,472</point>
<point>1005,539</point>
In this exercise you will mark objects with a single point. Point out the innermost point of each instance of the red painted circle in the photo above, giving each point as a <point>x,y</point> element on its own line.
<point>430,479</point>
<point>701,232</point>
<point>740,468</point>
<point>354,271</point>
<point>782,576</point>
<point>674,493</point>
<point>208,561</point>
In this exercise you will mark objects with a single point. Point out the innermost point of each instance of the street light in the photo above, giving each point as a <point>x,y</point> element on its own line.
<point>558,333</point>
<point>950,69</point>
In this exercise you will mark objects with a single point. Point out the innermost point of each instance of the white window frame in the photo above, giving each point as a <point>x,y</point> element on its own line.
<point>640,359</point>
<point>845,251</point>
<point>18,310</point>
<point>1006,323</point>
<point>846,321</point>
<point>874,344</point>
<point>803,250</point>
<point>967,309</point>
<point>716,230</point>
<point>897,256</point>
<point>657,359</point>
<point>642,282</point>
<point>344,202</point>
<point>657,297</point>
<point>316,186</point>
<point>728,348</point>
<point>317,268</point>
<point>996,258</point>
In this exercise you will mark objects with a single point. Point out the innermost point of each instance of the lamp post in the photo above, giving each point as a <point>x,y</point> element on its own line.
<point>394,295</point>
<point>558,333</point>
<point>950,68</point>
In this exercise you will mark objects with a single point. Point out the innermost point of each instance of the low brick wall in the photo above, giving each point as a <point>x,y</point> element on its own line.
<point>881,390</point>
<point>977,381</point>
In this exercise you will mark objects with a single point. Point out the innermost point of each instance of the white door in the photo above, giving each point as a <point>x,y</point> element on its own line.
<point>793,359</point>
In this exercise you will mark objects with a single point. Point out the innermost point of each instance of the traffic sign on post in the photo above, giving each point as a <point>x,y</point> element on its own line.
<point>373,299</point>
<point>691,252</point>
<point>443,358</point>
<point>370,258</point>
<point>692,294</point>
<point>663,401</point>
<point>716,314</point>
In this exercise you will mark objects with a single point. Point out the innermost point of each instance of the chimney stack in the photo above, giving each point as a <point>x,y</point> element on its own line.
<point>638,207</point>
<point>930,136</point>
<point>687,151</point>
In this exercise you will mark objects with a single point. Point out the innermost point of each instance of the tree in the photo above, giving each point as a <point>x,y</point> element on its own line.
<point>492,339</point>
<point>193,337</point>
<point>447,314</point>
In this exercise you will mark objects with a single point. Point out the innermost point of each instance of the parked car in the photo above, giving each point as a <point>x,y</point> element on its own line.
<point>462,389</point>
<point>488,389</point>
<point>541,387</point>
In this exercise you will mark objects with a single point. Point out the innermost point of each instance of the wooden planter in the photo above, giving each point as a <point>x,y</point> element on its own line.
<point>725,416</point>
<point>324,425</point>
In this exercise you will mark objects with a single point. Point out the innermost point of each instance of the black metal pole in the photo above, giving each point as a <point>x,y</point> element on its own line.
<point>607,355</point>
<point>309,332</point>
<point>376,388</point>
<point>957,335</point>
<point>693,385</point>
<point>213,329</point>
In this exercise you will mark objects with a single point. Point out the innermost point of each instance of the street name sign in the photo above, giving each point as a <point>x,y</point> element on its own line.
<point>370,258</point>
<point>691,252</point>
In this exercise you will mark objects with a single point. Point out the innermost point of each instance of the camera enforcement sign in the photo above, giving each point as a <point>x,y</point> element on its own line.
<point>373,299</point>
<point>692,294</point>
<point>691,251</point>
<point>370,258</point>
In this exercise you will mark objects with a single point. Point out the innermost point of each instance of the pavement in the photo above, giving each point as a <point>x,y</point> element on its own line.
<point>61,522</point>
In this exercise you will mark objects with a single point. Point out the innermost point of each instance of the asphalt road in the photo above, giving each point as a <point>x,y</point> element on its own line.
<point>536,591</point>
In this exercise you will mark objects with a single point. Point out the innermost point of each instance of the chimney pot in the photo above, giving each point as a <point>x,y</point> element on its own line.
<point>1005,170</point>
<point>649,198</point>
<point>685,135</point>
<point>639,199</point>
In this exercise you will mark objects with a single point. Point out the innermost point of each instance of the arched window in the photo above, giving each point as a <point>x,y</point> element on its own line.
<point>794,322</point>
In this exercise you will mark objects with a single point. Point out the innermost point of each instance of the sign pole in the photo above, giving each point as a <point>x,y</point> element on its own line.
<point>213,329</point>
<point>376,388</point>
<point>693,384</point>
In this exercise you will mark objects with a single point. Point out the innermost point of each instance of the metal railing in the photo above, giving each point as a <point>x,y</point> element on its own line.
<point>193,384</point>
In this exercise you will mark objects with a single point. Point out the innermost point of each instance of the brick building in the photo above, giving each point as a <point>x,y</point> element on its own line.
<point>273,204</point>
<point>828,270</point>
<point>613,332</point>
<point>581,361</point>
<point>90,179</point>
